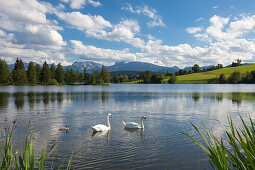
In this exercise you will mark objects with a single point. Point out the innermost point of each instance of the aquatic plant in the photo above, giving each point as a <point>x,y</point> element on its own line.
<point>241,154</point>
<point>26,159</point>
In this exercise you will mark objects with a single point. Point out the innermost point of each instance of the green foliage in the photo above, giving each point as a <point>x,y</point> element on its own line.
<point>237,63</point>
<point>235,77</point>
<point>45,74</point>
<point>26,159</point>
<point>172,79</point>
<point>71,76</point>
<point>145,76</point>
<point>116,79</point>
<point>196,68</point>
<point>95,78</point>
<point>5,73</point>
<point>222,79</point>
<point>156,79</point>
<point>53,71</point>
<point>240,154</point>
<point>31,73</point>
<point>219,66</point>
<point>38,72</point>
<point>204,77</point>
<point>123,79</point>
<point>105,75</point>
<point>60,75</point>
<point>181,72</point>
<point>19,75</point>
<point>53,82</point>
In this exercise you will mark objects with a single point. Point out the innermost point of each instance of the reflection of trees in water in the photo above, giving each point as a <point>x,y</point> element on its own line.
<point>219,97</point>
<point>105,96</point>
<point>52,97</point>
<point>46,98</point>
<point>237,98</point>
<point>4,99</point>
<point>19,99</point>
<point>60,97</point>
<point>95,96</point>
<point>31,98</point>
<point>196,96</point>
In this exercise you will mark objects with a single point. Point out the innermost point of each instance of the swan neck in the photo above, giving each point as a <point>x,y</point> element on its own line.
<point>108,121</point>
<point>142,125</point>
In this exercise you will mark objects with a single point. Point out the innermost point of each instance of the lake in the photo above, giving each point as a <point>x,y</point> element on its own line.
<point>169,108</point>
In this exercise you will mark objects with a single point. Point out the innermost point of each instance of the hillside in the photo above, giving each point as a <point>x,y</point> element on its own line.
<point>205,76</point>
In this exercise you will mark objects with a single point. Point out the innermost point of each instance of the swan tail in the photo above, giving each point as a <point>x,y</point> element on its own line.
<point>93,128</point>
<point>124,123</point>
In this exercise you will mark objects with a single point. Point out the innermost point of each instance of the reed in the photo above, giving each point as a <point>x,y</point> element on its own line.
<point>241,154</point>
<point>26,159</point>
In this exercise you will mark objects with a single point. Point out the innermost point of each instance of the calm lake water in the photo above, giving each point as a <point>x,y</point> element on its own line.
<point>168,108</point>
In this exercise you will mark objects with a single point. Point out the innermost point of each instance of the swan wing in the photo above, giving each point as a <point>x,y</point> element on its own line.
<point>132,125</point>
<point>100,128</point>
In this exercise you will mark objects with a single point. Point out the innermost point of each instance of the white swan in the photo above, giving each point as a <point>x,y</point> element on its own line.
<point>133,125</point>
<point>100,127</point>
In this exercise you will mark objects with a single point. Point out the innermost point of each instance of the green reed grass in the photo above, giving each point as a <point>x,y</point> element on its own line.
<point>26,159</point>
<point>241,154</point>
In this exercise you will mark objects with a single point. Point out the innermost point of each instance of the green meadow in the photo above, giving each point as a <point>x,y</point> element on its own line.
<point>204,77</point>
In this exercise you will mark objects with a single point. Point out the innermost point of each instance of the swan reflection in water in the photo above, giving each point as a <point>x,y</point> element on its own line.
<point>101,134</point>
<point>143,137</point>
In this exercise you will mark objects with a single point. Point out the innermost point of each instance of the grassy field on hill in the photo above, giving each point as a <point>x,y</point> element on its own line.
<point>205,76</point>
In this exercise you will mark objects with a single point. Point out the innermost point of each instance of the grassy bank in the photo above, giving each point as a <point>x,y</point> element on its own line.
<point>204,77</point>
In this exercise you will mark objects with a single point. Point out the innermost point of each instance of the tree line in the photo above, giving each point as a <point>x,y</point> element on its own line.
<point>45,75</point>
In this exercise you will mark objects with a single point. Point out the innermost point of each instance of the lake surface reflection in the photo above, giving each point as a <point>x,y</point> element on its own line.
<point>42,110</point>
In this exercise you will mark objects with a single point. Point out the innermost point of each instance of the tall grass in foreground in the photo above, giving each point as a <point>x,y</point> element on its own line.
<point>26,159</point>
<point>241,154</point>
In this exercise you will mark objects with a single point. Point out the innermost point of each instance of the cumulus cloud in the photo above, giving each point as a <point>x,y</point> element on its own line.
<point>193,30</point>
<point>125,31</point>
<point>31,35</point>
<point>79,4</point>
<point>146,11</point>
<point>99,54</point>
<point>90,24</point>
<point>94,3</point>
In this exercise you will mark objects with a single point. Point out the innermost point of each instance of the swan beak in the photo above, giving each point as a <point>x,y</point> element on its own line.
<point>111,116</point>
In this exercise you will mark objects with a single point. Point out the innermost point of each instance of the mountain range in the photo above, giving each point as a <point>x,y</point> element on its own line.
<point>120,67</point>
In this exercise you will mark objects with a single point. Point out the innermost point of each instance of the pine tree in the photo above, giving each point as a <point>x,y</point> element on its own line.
<point>31,73</point>
<point>5,73</point>
<point>45,74</point>
<point>105,75</point>
<point>86,76</point>
<point>19,74</point>
<point>38,72</point>
<point>53,71</point>
<point>60,75</point>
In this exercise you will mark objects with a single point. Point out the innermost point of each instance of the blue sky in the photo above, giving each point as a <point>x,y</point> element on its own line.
<point>163,32</point>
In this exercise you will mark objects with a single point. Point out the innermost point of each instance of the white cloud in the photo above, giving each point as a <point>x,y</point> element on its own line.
<point>125,31</point>
<point>215,7</point>
<point>94,3</point>
<point>100,54</point>
<point>199,19</point>
<point>77,4</point>
<point>31,35</point>
<point>88,23</point>
<point>147,11</point>
<point>193,30</point>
